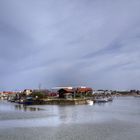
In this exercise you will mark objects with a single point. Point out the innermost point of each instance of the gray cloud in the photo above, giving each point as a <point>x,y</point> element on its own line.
<point>69,42</point>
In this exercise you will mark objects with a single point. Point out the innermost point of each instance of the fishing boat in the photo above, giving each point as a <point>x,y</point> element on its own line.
<point>100,100</point>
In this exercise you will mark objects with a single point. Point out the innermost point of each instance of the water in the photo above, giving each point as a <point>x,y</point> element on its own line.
<point>117,120</point>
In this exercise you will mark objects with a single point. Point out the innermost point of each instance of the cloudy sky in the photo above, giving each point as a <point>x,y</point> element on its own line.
<point>52,43</point>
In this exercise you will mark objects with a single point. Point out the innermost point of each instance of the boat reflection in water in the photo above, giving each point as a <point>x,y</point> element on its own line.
<point>26,108</point>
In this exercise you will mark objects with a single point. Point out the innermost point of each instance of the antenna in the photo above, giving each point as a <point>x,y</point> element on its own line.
<point>39,86</point>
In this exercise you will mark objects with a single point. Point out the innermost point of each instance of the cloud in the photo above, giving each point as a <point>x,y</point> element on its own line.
<point>78,42</point>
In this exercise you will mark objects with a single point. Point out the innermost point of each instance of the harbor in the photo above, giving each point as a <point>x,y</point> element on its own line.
<point>64,96</point>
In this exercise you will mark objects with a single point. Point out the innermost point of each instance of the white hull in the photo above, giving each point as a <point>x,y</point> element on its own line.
<point>106,99</point>
<point>100,100</point>
<point>90,102</point>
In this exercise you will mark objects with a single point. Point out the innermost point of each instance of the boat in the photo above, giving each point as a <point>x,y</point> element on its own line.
<point>27,101</point>
<point>100,100</point>
<point>110,98</point>
<point>90,102</point>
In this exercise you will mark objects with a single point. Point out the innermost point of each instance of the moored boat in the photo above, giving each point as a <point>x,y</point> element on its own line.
<point>100,100</point>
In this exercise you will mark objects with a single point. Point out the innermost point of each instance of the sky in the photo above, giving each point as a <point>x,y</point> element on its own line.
<point>49,43</point>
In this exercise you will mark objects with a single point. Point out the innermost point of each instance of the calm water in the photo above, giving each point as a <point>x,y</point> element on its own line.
<point>117,120</point>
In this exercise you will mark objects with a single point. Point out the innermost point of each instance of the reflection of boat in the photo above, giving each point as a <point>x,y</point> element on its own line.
<point>26,108</point>
<point>90,102</point>
<point>137,96</point>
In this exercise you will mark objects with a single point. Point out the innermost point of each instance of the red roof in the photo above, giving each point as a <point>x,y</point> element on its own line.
<point>87,89</point>
<point>8,92</point>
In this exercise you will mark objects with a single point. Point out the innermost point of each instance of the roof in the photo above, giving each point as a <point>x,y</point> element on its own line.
<point>66,90</point>
<point>87,89</point>
<point>8,92</point>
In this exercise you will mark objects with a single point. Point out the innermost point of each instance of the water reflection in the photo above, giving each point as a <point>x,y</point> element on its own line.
<point>104,103</point>
<point>68,114</point>
<point>26,108</point>
<point>122,109</point>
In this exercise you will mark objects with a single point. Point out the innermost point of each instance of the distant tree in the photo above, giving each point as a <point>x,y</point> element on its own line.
<point>38,95</point>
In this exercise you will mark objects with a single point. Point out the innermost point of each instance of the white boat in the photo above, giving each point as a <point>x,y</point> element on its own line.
<point>99,99</point>
<point>90,102</point>
<point>103,99</point>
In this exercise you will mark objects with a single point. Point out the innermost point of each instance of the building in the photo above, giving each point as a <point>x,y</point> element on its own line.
<point>65,93</point>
